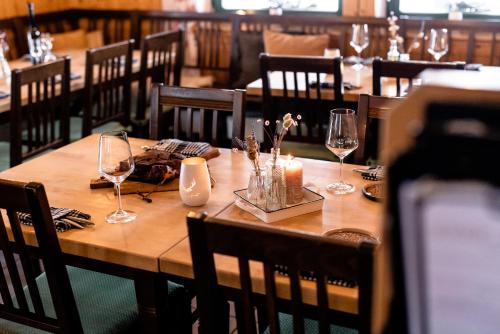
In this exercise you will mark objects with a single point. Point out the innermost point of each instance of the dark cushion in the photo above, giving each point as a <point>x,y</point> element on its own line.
<point>310,326</point>
<point>106,303</point>
<point>251,45</point>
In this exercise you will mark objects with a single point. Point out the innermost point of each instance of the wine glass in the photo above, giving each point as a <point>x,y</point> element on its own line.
<point>341,140</point>
<point>359,42</point>
<point>116,164</point>
<point>438,43</point>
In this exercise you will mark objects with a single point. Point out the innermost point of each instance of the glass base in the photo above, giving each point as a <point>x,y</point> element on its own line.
<point>340,188</point>
<point>358,66</point>
<point>122,216</point>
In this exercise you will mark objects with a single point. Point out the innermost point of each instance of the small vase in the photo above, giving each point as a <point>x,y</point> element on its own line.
<point>256,190</point>
<point>393,54</point>
<point>5,72</point>
<point>275,182</point>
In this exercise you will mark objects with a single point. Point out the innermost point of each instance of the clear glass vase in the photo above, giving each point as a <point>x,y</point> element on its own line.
<point>5,72</point>
<point>256,191</point>
<point>393,53</point>
<point>275,184</point>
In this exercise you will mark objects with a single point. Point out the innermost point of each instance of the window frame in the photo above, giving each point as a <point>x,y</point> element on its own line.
<point>217,5</point>
<point>393,6</point>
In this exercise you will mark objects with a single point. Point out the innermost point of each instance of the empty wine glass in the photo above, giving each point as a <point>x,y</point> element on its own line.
<point>359,41</point>
<point>116,164</point>
<point>341,140</point>
<point>438,43</point>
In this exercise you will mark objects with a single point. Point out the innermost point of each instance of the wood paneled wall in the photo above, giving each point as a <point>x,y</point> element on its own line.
<point>11,8</point>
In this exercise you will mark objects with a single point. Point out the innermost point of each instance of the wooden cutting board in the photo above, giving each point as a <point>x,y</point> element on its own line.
<point>133,187</point>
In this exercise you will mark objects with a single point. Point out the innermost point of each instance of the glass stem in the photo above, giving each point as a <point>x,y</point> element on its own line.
<point>119,197</point>
<point>340,171</point>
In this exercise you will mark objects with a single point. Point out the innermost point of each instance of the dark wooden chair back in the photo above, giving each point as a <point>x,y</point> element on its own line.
<point>297,251</point>
<point>404,70</point>
<point>371,107</point>
<point>162,57</point>
<point>39,109</point>
<point>108,73</point>
<point>30,198</point>
<point>207,101</point>
<point>301,72</point>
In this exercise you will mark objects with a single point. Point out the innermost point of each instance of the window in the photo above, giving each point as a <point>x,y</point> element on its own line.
<point>324,6</point>
<point>470,8</point>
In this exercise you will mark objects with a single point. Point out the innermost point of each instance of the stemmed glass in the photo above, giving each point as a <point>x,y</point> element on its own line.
<point>438,43</point>
<point>359,41</point>
<point>116,164</point>
<point>341,140</point>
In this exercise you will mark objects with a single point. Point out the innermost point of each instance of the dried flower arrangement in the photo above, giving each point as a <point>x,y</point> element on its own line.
<point>394,28</point>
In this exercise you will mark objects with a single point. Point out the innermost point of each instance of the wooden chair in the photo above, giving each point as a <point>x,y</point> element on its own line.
<point>49,301</point>
<point>205,100</point>
<point>299,252</point>
<point>370,107</point>
<point>404,70</point>
<point>107,85</point>
<point>162,57</point>
<point>43,117</point>
<point>312,105</point>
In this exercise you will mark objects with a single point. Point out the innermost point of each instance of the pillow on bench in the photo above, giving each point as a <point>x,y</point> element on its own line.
<point>77,39</point>
<point>277,43</point>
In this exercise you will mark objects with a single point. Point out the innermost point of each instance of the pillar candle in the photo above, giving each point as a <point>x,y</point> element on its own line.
<point>293,173</point>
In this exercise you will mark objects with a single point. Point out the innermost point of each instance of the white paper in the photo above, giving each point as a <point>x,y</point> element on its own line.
<point>458,256</point>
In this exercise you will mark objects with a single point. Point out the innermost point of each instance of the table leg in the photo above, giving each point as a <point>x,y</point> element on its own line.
<point>151,293</point>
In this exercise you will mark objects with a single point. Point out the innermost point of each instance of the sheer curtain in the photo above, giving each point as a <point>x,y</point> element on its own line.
<point>187,5</point>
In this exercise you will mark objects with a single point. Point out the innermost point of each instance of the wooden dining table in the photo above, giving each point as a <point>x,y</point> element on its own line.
<point>360,82</point>
<point>155,247</point>
<point>189,77</point>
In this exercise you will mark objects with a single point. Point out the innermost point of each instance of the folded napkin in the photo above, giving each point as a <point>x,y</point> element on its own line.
<point>310,276</point>
<point>186,148</point>
<point>64,219</point>
<point>4,95</point>
<point>329,85</point>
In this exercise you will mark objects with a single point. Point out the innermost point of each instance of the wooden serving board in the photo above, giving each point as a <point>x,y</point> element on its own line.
<point>133,187</point>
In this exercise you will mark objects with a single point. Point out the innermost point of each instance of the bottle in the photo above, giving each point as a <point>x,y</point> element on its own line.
<point>34,36</point>
<point>275,182</point>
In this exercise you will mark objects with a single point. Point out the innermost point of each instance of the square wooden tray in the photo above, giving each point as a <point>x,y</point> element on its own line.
<point>312,202</point>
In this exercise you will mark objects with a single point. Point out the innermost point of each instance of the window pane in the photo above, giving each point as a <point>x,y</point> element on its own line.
<point>299,5</point>
<point>483,7</point>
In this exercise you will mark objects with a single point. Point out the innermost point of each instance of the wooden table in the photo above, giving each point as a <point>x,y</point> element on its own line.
<point>156,243</point>
<point>352,210</point>
<point>361,79</point>
<point>189,77</point>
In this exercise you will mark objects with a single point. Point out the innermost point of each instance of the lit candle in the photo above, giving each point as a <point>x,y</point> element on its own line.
<point>293,174</point>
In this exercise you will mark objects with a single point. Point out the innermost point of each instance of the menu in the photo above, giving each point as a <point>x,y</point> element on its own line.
<point>451,252</point>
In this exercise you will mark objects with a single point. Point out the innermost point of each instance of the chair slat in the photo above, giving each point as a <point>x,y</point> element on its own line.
<point>26,264</point>
<point>272,312</point>
<point>322,300</point>
<point>246,286</point>
<point>296,291</point>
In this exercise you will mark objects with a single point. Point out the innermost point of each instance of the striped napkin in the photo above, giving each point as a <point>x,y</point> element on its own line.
<point>310,276</point>
<point>186,148</point>
<point>64,219</point>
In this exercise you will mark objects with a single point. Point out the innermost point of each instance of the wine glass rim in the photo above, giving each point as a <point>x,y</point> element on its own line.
<point>342,111</point>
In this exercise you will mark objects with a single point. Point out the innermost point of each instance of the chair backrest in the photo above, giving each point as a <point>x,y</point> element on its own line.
<point>371,107</point>
<point>162,57</point>
<point>30,198</point>
<point>39,108</point>
<point>297,251</point>
<point>404,70</point>
<point>300,79</point>
<point>205,100</point>
<point>107,85</point>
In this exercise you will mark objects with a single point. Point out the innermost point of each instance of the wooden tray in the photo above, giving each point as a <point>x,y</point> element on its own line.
<point>312,202</point>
